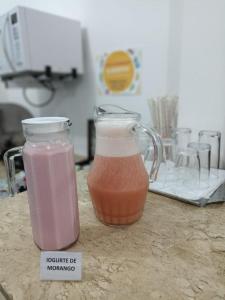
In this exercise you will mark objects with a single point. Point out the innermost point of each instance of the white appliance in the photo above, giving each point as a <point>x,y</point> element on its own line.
<point>33,42</point>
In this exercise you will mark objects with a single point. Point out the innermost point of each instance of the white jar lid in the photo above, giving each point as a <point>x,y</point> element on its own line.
<point>44,125</point>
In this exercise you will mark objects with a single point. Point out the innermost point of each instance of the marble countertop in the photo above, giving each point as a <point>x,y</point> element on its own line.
<point>175,251</point>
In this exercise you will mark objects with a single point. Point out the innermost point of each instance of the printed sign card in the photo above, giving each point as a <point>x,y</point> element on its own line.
<point>60,265</point>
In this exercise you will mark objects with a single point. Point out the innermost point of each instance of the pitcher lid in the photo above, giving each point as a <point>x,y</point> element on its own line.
<point>44,125</point>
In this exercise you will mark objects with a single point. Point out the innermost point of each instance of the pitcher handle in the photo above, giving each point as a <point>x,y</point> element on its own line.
<point>158,150</point>
<point>9,161</point>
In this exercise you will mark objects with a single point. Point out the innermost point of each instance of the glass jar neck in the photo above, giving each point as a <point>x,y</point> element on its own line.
<point>53,137</point>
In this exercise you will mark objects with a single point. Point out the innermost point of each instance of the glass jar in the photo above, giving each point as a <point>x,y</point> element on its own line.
<point>48,157</point>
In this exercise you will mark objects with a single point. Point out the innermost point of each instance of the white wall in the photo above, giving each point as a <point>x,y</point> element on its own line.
<point>108,25</point>
<point>141,24</point>
<point>201,65</point>
<point>174,49</point>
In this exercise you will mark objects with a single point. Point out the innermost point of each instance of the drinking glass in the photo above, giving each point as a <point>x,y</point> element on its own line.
<point>214,139</point>
<point>187,169</point>
<point>166,174</point>
<point>181,138</point>
<point>203,151</point>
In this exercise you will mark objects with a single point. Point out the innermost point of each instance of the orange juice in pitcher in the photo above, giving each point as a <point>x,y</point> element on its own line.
<point>118,181</point>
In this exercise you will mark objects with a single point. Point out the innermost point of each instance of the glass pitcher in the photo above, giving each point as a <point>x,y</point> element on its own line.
<point>118,181</point>
<point>48,157</point>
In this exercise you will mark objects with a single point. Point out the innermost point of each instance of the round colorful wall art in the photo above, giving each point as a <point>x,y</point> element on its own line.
<point>119,73</point>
